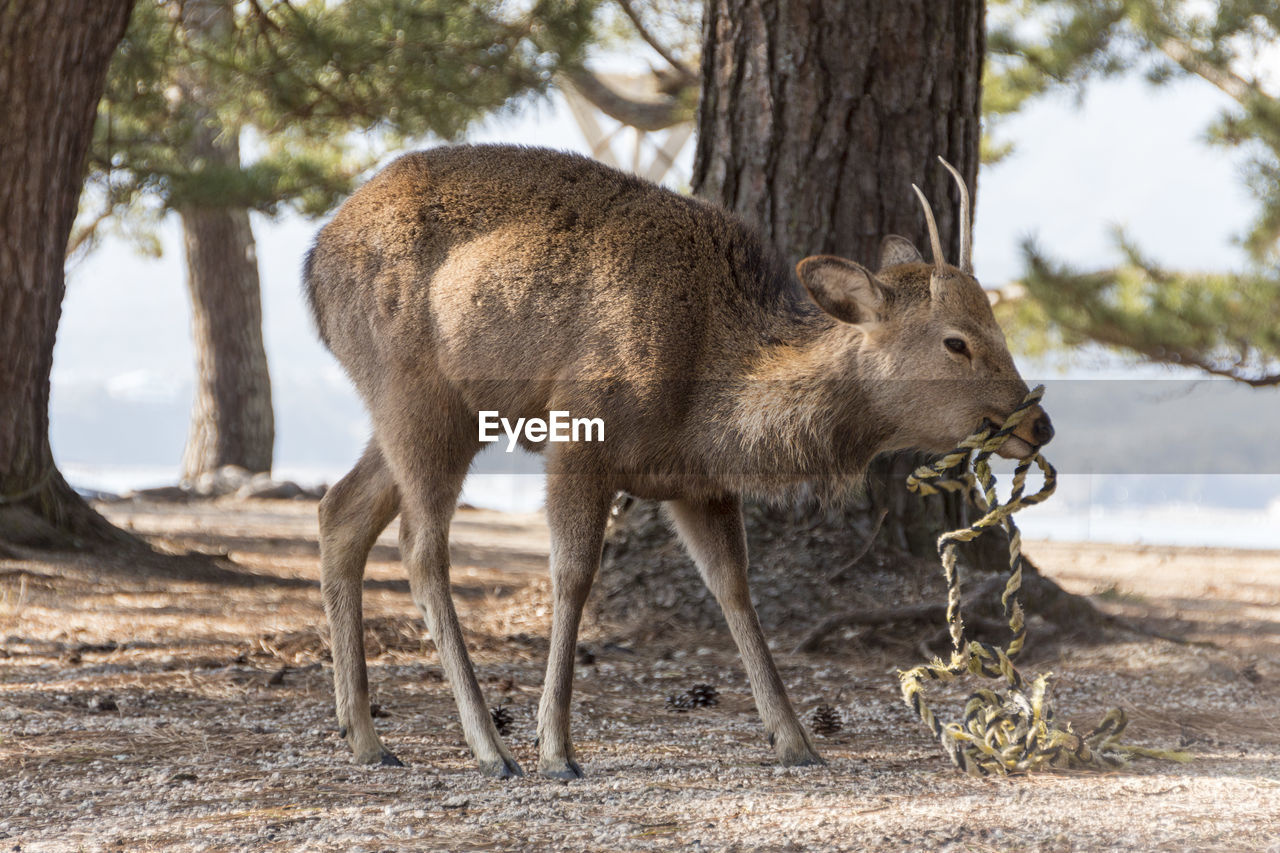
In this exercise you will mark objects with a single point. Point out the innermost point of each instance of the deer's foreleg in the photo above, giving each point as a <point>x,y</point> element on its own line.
<point>577,511</point>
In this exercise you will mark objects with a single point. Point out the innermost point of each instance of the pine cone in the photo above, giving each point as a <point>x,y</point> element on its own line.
<point>680,702</point>
<point>704,695</point>
<point>697,696</point>
<point>826,720</point>
<point>502,719</point>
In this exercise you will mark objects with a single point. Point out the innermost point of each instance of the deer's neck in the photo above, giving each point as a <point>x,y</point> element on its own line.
<point>802,412</point>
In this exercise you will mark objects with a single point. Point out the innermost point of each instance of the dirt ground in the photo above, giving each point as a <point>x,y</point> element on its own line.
<point>184,704</point>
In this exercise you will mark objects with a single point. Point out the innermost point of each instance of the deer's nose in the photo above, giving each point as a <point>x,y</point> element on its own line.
<point>1042,429</point>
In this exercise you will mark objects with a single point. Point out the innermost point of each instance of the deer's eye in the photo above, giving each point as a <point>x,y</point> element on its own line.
<point>956,345</point>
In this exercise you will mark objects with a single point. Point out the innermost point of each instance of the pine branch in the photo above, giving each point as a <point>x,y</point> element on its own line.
<point>687,76</point>
<point>1179,356</point>
<point>85,235</point>
<point>1194,62</point>
<point>642,115</point>
<point>1220,324</point>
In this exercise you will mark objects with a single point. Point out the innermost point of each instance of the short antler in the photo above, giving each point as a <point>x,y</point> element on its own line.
<point>966,222</point>
<point>935,242</point>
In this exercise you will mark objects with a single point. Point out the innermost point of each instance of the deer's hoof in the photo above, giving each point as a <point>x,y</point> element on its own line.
<point>381,757</point>
<point>502,768</point>
<point>804,759</point>
<point>795,751</point>
<point>567,770</point>
<point>377,755</point>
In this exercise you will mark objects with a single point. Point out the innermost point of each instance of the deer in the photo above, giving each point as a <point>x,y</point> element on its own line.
<point>522,280</point>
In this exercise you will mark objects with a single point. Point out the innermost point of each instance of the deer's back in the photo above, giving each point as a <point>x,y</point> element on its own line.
<point>502,263</point>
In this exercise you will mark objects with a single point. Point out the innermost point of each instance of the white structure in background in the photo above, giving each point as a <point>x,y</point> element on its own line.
<point>653,155</point>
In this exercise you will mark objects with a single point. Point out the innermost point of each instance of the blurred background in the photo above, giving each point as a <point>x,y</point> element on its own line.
<point>1127,215</point>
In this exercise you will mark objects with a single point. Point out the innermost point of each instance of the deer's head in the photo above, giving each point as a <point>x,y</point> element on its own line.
<point>924,339</point>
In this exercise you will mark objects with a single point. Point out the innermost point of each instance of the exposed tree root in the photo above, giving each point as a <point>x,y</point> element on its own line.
<point>807,590</point>
<point>56,518</point>
<point>929,612</point>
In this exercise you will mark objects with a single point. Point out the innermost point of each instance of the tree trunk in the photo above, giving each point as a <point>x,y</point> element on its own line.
<point>816,118</point>
<point>231,418</point>
<point>53,62</point>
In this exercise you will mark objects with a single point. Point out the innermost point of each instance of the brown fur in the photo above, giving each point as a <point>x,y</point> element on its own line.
<point>524,280</point>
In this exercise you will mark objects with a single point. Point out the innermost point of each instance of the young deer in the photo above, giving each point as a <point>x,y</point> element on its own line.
<point>521,280</point>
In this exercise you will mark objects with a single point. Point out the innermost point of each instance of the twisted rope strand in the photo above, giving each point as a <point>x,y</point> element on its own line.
<point>1011,731</point>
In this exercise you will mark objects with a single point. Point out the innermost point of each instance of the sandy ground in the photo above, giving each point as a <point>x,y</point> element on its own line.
<point>146,707</point>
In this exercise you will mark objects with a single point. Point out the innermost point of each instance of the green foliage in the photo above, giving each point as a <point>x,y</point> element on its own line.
<point>307,94</point>
<point>1033,46</point>
<point>1221,323</point>
<point>1038,45</point>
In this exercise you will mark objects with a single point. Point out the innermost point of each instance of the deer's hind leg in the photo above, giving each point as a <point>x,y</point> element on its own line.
<point>352,514</point>
<point>430,457</point>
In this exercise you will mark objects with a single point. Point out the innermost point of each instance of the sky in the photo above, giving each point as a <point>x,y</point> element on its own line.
<point>1126,154</point>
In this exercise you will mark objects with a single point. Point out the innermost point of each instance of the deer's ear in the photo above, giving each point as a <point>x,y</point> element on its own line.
<point>896,250</point>
<point>845,290</point>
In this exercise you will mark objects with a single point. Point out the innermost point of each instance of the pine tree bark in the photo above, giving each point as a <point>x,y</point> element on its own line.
<point>232,422</point>
<point>231,419</point>
<point>816,117</point>
<point>53,62</point>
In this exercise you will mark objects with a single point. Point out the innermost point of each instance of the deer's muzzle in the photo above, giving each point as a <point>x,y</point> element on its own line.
<point>1035,431</point>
